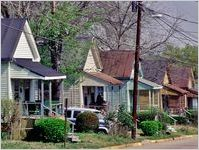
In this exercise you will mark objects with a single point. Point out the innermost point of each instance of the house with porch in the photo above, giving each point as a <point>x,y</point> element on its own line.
<point>23,78</point>
<point>177,81</point>
<point>110,75</point>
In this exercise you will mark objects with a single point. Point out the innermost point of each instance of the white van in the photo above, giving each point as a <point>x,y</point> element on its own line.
<point>72,113</point>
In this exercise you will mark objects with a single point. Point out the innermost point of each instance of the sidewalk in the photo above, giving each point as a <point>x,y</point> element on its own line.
<point>123,146</point>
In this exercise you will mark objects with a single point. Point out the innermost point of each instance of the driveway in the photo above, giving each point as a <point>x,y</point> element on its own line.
<point>186,143</point>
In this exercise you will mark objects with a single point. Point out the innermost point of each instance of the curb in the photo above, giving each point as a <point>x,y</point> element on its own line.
<point>147,142</point>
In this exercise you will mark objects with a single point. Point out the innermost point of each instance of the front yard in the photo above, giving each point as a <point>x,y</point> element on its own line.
<point>88,140</point>
<point>94,141</point>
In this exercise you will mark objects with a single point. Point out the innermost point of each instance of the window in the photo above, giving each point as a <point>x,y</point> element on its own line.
<point>68,114</point>
<point>76,113</point>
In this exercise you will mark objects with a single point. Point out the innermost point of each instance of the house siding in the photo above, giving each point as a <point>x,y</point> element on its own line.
<point>143,100</point>
<point>23,50</point>
<point>18,72</point>
<point>90,63</point>
<point>72,94</point>
<point>4,80</point>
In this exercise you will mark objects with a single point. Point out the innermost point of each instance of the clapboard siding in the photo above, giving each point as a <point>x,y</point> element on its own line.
<point>19,72</point>
<point>73,95</point>
<point>90,63</point>
<point>143,101</point>
<point>23,50</point>
<point>4,80</point>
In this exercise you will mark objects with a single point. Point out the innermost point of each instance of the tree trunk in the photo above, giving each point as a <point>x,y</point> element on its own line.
<point>56,50</point>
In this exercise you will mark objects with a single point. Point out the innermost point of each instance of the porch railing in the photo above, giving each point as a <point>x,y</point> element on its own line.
<point>31,108</point>
<point>35,108</point>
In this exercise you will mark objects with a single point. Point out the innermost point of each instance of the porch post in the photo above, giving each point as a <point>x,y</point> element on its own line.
<point>185,98</point>
<point>62,95</point>
<point>153,97</point>
<point>149,98</point>
<point>42,97</point>
<point>161,100</point>
<point>50,96</point>
<point>119,94</point>
<point>158,98</point>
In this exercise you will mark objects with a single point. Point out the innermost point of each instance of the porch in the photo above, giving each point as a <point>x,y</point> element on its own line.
<point>174,100</point>
<point>30,84</point>
<point>35,97</point>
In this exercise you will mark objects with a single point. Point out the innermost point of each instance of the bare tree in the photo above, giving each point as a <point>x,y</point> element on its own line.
<point>117,27</point>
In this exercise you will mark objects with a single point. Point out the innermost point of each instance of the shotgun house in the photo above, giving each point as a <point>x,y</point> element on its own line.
<point>23,78</point>
<point>110,75</point>
<point>177,93</point>
<point>183,77</point>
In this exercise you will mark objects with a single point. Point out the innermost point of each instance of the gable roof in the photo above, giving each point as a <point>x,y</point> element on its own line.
<point>154,70</point>
<point>11,32</point>
<point>39,69</point>
<point>10,36</point>
<point>105,77</point>
<point>179,75</point>
<point>149,83</point>
<point>117,63</point>
<point>176,88</point>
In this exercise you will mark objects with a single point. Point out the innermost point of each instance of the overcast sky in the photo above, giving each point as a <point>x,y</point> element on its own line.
<point>185,9</point>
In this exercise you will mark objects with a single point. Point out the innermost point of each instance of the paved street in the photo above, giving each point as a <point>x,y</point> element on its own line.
<point>187,143</point>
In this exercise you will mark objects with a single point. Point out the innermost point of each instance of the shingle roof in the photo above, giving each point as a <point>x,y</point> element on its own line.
<point>192,92</point>
<point>154,70</point>
<point>176,88</point>
<point>11,30</point>
<point>105,77</point>
<point>179,75</point>
<point>117,63</point>
<point>152,84</point>
<point>37,68</point>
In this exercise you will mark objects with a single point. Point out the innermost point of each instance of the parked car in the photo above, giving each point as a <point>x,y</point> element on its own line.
<point>72,113</point>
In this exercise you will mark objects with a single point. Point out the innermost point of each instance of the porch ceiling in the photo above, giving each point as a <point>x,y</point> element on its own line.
<point>39,69</point>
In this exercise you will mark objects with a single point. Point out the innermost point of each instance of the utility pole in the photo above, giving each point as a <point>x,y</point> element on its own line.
<point>136,69</point>
<point>53,7</point>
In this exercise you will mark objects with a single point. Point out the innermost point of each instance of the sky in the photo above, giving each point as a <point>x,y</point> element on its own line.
<point>184,9</point>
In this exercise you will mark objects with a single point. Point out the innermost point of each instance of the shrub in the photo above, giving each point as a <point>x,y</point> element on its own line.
<point>48,130</point>
<point>181,119</point>
<point>150,128</point>
<point>147,115</point>
<point>193,116</point>
<point>110,116</point>
<point>164,118</point>
<point>87,121</point>
<point>160,125</point>
<point>150,115</point>
<point>124,117</point>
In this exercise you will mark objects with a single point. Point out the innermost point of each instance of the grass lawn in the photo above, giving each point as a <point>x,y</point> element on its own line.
<point>88,140</point>
<point>94,141</point>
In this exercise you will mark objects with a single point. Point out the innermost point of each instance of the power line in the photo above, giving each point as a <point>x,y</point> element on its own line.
<point>178,31</point>
<point>168,15</point>
<point>172,35</point>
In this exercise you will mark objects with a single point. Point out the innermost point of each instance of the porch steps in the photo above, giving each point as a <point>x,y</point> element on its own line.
<point>73,138</point>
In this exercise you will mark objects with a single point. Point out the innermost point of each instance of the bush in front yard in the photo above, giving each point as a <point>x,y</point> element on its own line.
<point>87,121</point>
<point>181,119</point>
<point>48,130</point>
<point>124,117</point>
<point>150,128</point>
<point>193,116</point>
<point>147,115</point>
